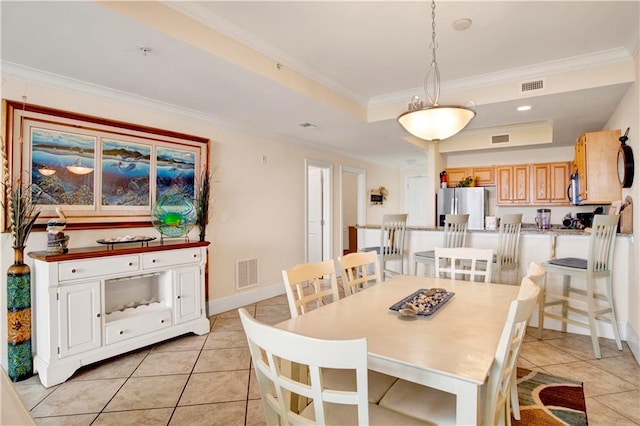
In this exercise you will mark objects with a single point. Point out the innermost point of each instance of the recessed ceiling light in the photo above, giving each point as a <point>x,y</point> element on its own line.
<point>462,24</point>
<point>524,108</point>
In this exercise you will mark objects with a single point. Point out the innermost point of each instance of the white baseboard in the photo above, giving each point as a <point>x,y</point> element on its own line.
<point>634,343</point>
<point>235,301</point>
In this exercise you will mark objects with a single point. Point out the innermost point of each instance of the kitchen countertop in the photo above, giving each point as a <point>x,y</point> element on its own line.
<point>526,229</point>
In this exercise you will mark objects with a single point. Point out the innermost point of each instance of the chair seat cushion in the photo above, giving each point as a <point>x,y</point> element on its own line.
<point>429,253</point>
<point>570,262</point>
<point>345,380</point>
<point>339,414</point>
<point>421,402</point>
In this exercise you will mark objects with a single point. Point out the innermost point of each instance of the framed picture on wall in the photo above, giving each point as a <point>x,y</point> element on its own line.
<point>102,173</point>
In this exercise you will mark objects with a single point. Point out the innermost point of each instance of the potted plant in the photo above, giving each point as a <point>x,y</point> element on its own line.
<point>203,198</point>
<point>22,214</point>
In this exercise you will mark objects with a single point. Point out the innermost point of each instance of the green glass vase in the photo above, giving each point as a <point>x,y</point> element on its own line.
<point>20,358</point>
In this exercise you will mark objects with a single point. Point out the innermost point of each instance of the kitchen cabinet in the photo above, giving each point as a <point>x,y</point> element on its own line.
<point>513,185</point>
<point>550,182</point>
<point>94,303</point>
<point>485,175</point>
<point>596,155</point>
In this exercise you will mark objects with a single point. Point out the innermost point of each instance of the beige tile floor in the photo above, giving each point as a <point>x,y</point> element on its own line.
<point>207,380</point>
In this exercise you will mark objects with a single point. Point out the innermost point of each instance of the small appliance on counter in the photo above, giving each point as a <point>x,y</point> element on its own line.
<point>543,219</point>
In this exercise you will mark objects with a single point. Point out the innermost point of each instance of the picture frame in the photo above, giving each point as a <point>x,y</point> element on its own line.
<point>102,173</point>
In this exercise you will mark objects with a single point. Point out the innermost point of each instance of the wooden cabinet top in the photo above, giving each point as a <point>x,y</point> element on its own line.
<point>107,250</point>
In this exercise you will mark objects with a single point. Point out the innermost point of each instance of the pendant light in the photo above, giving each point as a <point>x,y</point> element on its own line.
<point>435,122</point>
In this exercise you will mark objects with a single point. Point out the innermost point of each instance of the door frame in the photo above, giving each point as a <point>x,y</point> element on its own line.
<point>361,210</point>
<point>327,195</point>
<point>407,198</point>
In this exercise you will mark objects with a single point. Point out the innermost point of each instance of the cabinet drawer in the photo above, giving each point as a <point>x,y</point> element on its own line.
<point>161,259</point>
<point>137,326</point>
<point>97,267</point>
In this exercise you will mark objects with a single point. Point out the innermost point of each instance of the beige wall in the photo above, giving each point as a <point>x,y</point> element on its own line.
<point>258,209</point>
<point>627,114</point>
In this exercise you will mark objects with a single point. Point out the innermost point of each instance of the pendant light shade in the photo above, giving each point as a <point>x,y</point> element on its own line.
<point>434,122</point>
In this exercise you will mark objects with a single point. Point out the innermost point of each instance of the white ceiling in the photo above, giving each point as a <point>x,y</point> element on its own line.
<point>373,53</point>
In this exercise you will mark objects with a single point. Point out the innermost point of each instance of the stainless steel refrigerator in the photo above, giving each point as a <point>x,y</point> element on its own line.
<point>461,201</point>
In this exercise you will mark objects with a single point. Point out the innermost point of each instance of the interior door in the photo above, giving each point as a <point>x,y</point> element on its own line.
<point>318,208</point>
<point>416,200</point>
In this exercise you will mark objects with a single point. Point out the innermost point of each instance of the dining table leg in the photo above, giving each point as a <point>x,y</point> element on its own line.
<point>468,404</point>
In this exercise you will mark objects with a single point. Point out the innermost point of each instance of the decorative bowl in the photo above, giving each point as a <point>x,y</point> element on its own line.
<point>173,215</point>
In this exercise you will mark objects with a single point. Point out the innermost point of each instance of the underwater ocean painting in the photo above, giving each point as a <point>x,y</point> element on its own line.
<point>125,173</point>
<point>175,172</point>
<point>62,167</point>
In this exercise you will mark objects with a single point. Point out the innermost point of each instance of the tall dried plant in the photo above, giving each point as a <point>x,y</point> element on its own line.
<point>203,199</point>
<point>19,204</point>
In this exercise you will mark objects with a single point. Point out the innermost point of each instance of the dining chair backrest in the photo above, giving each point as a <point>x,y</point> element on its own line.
<point>455,230</point>
<point>305,284</point>
<point>601,243</point>
<point>508,240</point>
<point>500,376</point>
<point>270,347</point>
<point>359,271</point>
<point>535,273</point>
<point>471,263</point>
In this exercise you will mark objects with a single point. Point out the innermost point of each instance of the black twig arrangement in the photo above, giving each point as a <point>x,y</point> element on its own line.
<point>203,199</point>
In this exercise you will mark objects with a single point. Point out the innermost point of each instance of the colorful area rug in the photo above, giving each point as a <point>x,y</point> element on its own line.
<point>549,400</point>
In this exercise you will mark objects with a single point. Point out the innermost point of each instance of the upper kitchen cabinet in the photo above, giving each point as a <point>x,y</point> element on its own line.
<point>513,185</point>
<point>485,174</point>
<point>596,155</point>
<point>550,182</point>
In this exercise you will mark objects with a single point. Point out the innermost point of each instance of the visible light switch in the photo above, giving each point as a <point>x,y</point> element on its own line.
<point>264,159</point>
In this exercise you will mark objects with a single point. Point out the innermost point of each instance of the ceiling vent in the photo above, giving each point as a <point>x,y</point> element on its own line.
<point>536,85</point>
<point>500,139</point>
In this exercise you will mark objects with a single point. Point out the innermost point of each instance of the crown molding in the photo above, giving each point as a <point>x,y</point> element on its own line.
<point>56,81</point>
<point>574,63</point>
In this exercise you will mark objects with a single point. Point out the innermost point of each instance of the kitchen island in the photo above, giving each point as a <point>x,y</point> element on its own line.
<point>535,246</point>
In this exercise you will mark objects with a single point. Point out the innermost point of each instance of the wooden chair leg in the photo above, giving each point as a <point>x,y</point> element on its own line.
<point>566,285</point>
<point>593,325</point>
<point>612,315</point>
<point>515,403</point>
<point>541,300</point>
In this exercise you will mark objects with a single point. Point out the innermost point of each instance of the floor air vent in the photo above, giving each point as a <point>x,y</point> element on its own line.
<point>532,85</point>
<point>499,139</point>
<point>246,273</point>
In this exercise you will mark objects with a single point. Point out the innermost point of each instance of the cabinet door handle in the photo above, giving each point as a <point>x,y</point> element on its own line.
<point>195,255</point>
<point>178,297</point>
<point>130,263</point>
<point>121,332</point>
<point>73,271</point>
<point>161,321</point>
<point>153,261</point>
<point>97,315</point>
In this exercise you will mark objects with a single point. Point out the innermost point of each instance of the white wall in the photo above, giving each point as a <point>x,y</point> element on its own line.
<point>258,209</point>
<point>627,114</point>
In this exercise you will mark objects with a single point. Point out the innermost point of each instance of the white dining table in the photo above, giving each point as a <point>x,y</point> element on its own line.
<point>451,350</point>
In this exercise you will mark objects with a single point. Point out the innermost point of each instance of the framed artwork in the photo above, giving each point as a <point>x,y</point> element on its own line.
<point>102,173</point>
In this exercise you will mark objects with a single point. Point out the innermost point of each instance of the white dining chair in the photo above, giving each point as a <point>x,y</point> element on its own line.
<point>305,291</point>
<point>438,407</point>
<point>391,248</point>
<point>597,265</point>
<point>271,348</point>
<point>465,262</point>
<point>359,271</point>
<point>535,273</point>
<point>507,257</point>
<point>454,235</point>
<point>306,284</point>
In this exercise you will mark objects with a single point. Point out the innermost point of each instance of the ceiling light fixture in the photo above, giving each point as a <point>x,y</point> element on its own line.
<point>524,108</point>
<point>435,122</point>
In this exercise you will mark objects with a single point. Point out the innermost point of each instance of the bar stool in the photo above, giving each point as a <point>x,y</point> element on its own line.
<point>391,246</point>
<point>597,265</point>
<point>508,251</point>
<point>455,235</point>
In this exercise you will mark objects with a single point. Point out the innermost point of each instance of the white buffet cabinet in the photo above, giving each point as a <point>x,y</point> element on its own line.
<point>94,303</point>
